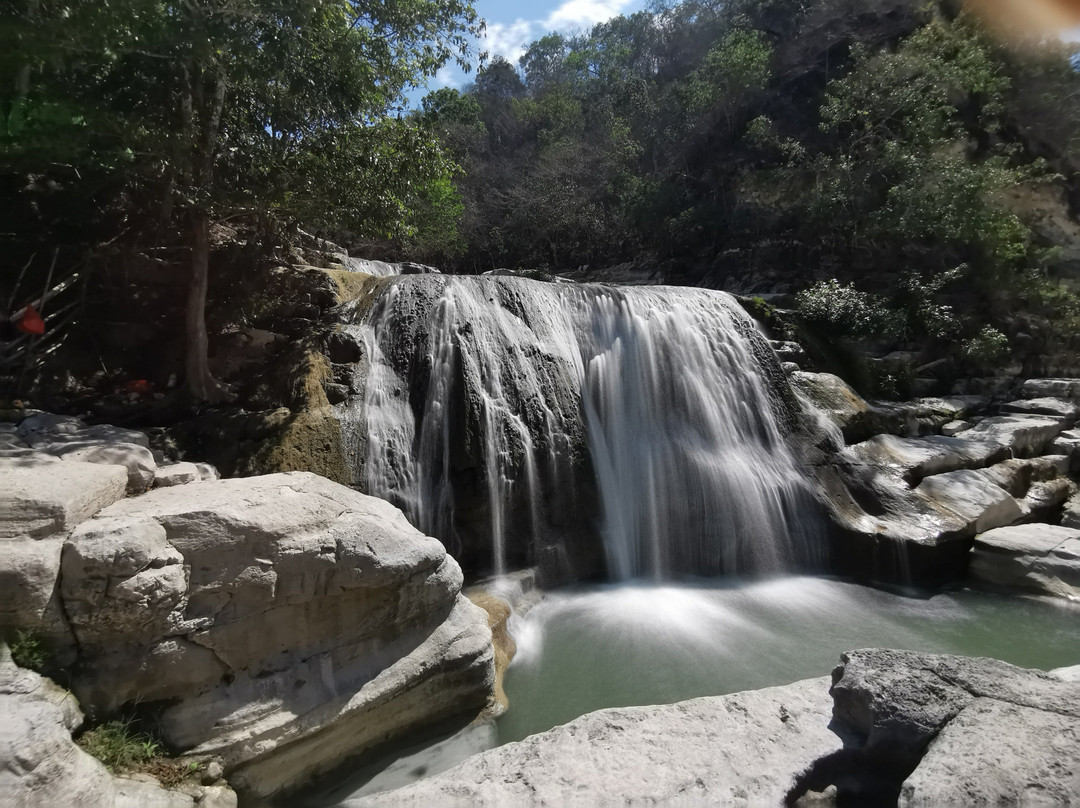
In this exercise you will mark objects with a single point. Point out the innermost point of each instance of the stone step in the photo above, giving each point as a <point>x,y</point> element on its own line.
<point>1036,557</point>
<point>1056,407</point>
<point>990,441</point>
<point>1051,388</point>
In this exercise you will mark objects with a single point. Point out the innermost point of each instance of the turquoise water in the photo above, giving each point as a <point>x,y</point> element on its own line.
<point>614,646</point>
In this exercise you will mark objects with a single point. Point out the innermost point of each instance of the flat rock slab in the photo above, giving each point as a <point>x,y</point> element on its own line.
<point>137,460</point>
<point>1056,407</point>
<point>1051,388</point>
<point>743,749</point>
<point>997,753</point>
<point>176,474</point>
<point>1036,557</point>
<point>916,458</point>
<point>39,497</point>
<point>958,730</point>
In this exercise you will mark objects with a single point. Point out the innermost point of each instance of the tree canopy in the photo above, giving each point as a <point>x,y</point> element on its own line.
<point>190,111</point>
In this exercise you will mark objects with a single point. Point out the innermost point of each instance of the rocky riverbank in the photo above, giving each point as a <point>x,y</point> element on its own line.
<point>889,727</point>
<point>280,624</point>
<point>913,487</point>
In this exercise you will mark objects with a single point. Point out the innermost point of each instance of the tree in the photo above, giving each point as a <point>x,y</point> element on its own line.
<point>243,105</point>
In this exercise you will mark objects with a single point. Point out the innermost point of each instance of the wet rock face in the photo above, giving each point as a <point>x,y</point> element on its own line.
<point>474,426</point>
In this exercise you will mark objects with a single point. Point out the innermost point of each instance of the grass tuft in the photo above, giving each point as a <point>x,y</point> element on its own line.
<point>120,746</point>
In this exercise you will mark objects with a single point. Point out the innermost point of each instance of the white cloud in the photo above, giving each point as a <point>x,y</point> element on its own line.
<point>509,39</point>
<point>449,76</point>
<point>574,14</point>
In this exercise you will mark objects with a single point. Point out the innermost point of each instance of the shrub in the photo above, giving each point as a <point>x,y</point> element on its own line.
<point>986,348</point>
<point>845,311</point>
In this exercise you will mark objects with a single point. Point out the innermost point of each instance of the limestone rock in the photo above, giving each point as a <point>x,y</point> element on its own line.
<point>969,502</point>
<point>916,458</point>
<point>121,580</point>
<point>100,435</point>
<point>1021,435</point>
<point>207,472</point>
<point>957,731</point>
<point>1070,674</point>
<point>1056,407</point>
<point>176,474</point>
<point>953,428</point>
<point>28,575</point>
<point>46,423</point>
<point>1036,557</point>
<point>998,753</point>
<point>1018,476</point>
<point>832,396</point>
<point>137,460</point>
<point>39,498</point>
<point>894,703</point>
<point>41,766</point>
<point>746,748</point>
<point>285,622</point>
<point>1051,388</point>
<point>1070,516</point>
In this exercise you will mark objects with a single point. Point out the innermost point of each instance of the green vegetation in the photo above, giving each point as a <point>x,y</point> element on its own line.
<point>28,650</point>
<point>120,746</point>
<point>135,123</point>
<point>882,152</point>
<point>886,160</point>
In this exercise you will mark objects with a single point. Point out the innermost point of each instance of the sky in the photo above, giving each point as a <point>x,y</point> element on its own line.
<point>513,24</point>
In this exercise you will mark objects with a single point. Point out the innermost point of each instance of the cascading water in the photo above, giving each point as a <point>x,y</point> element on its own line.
<point>498,410</point>
<point>380,269</point>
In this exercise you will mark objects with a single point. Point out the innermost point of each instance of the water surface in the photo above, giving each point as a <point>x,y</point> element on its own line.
<point>616,646</point>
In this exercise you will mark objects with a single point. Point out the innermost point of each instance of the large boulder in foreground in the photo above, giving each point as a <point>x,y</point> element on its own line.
<point>284,623</point>
<point>743,749</point>
<point>951,730</point>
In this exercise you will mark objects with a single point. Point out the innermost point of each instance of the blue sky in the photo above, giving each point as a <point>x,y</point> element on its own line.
<point>513,24</point>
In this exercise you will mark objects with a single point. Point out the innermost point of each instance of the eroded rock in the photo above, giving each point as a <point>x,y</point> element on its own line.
<point>285,622</point>
<point>41,766</point>
<point>934,725</point>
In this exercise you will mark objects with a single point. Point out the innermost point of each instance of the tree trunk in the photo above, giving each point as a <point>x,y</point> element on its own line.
<point>200,381</point>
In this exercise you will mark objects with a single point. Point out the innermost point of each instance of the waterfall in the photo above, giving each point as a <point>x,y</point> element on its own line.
<point>523,419</point>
